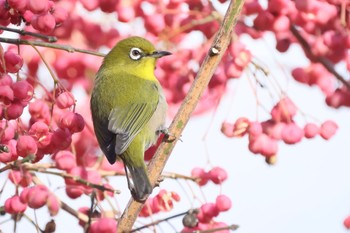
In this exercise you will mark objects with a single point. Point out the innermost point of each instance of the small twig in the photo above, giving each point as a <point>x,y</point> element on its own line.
<point>160,220</point>
<point>232,227</point>
<point>75,178</point>
<point>67,48</point>
<point>323,60</point>
<point>17,163</point>
<point>176,176</point>
<point>33,222</point>
<point>22,32</point>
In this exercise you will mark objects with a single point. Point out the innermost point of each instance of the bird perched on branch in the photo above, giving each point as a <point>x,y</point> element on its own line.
<point>129,108</point>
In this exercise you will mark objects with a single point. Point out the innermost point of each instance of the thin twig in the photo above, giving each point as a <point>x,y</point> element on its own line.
<point>232,227</point>
<point>161,220</point>
<point>323,60</point>
<point>67,48</point>
<point>22,32</point>
<point>78,179</point>
<point>198,86</point>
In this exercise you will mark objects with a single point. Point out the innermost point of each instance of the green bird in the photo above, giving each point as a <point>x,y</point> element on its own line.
<point>129,108</point>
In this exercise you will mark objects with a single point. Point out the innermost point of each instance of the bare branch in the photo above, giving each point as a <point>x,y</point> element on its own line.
<point>22,32</point>
<point>67,48</point>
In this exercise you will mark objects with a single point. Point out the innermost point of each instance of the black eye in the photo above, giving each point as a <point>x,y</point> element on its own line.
<point>135,54</point>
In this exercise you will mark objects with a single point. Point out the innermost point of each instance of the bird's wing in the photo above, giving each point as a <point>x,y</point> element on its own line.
<point>127,121</point>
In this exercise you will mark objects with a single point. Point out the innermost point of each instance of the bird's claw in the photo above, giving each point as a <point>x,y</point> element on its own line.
<point>168,137</point>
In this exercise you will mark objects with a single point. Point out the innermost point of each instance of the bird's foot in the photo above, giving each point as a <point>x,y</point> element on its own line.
<point>159,180</point>
<point>168,137</point>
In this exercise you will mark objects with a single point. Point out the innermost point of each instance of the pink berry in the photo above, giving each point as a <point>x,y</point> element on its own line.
<point>125,14</point>
<point>223,203</point>
<point>26,145</point>
<point>38,6</point>
<point>217,175</point>
<point>60,14</point>
<point>227,129</point>
<point>13,61</point>
<point>65,160</point>
<point>11,155</point>
<point>240,127</point>
<point>14,110</point>
<point>284,110</point>
<point>104,225</point>
<point>65,100</point>
<point>311,130</point>
<point>19,5</point>
<point>201,174</point>
<point>292,133</point>
<point>61,139</point>
<point>37,196</point>
<point>328,129</point>
<point>6,94</point>
<point>44,23</point>
<point>22,178</point>
<point>347,222</point>
<point>255,129</point>
<point>53,204</point>
<point>90,5</point>
<point>210,210</point>
<point>22,90</point>
<point>13,205</point>
<point>72,121</point>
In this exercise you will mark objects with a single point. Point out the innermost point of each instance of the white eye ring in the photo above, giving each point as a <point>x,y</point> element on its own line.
<point>135,54</point>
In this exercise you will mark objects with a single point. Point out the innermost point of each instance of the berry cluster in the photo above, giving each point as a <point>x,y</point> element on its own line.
<point>264,136</point>
<point>43,15</point>
<point>203,218</point>
<point>162,202</point>
<point>34,197</point>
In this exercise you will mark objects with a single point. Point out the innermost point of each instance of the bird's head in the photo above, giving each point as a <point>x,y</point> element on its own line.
<point>135,55</point>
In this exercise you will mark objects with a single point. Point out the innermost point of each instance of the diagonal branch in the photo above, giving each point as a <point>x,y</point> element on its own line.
<point>200,83</point>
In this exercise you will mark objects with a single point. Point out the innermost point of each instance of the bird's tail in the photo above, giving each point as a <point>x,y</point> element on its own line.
<point>142,187</point>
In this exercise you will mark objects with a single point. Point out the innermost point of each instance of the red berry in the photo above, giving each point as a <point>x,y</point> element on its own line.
<point>72,121</point>
<point>347,222</point>
<point>13,205</point>
<point>65,160</point>
<point>201,174</point>
<point>13,61</point>
<point>38,6</point>
<point>65,100</point>
<point>104,225</point>
<point>53,204</point>
<point>311,130</point>
<point>292,133</point>
<point>223,203</point>
<point>217,175</point>
<point>328,129</point>
<point>22,90</point>
<point>26,145</point>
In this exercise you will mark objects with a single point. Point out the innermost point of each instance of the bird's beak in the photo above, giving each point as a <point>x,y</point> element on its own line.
<point>158,54</point>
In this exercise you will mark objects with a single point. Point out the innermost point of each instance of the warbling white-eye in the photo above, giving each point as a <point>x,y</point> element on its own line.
<point>129,108</point>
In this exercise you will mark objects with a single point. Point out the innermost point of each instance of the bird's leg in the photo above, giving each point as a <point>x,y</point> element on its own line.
<point>159,180</point>
<point>130,185</point>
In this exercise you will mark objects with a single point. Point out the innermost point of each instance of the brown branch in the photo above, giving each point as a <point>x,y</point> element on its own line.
<point>67,48</point>
<point>200,83</point>
<point>27,33</point>
<point>323,60</point>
